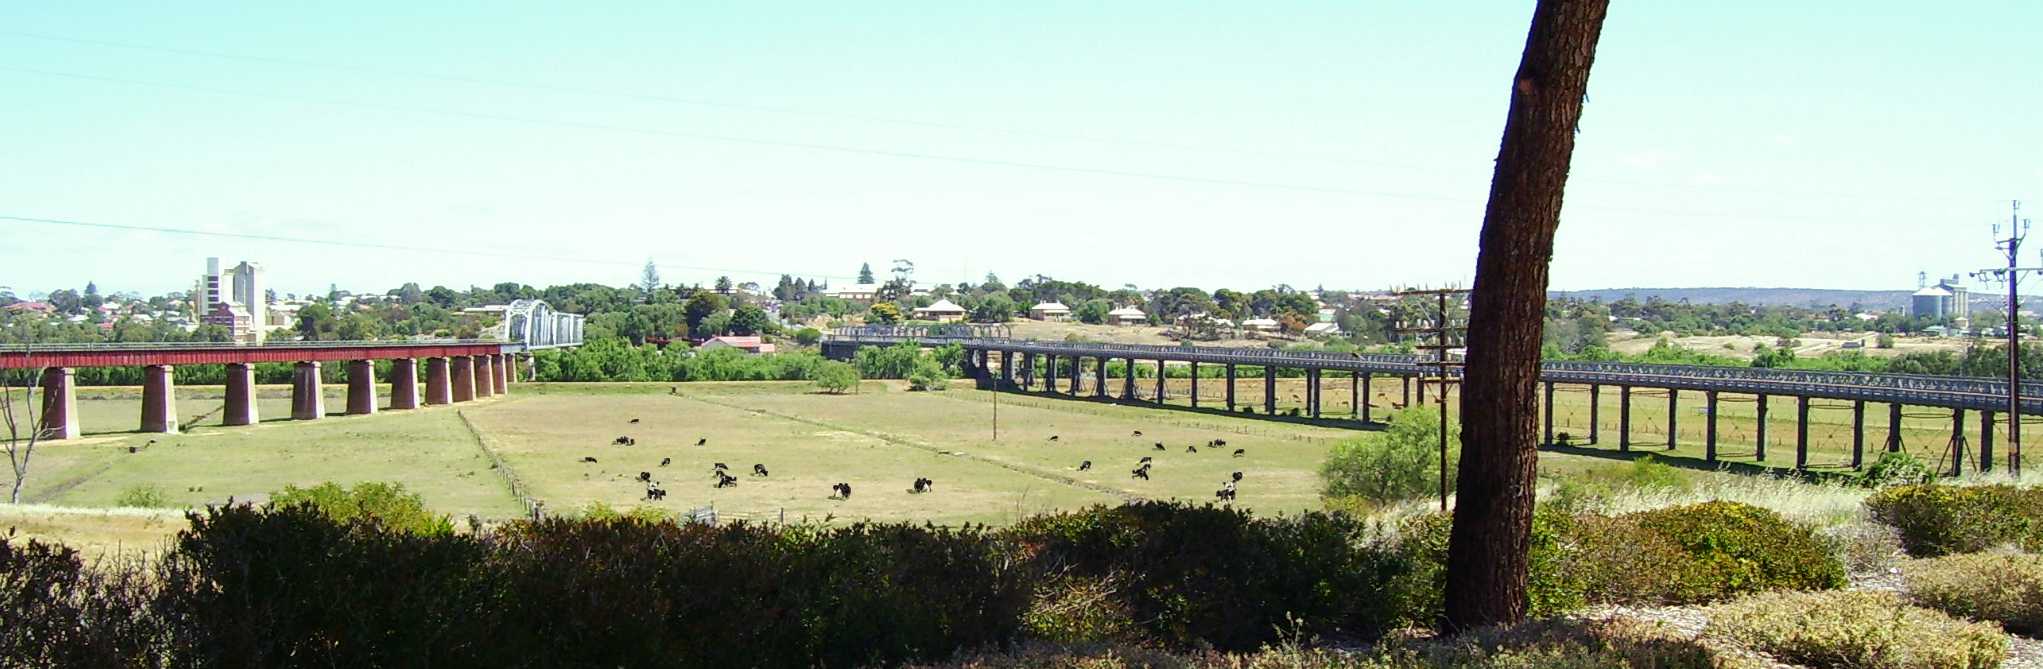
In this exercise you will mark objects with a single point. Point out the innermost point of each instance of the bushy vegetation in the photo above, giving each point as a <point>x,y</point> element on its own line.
<point>1860,629</point>
<point>928,374</point>
<point>836,377</point>
<point>1401,463</point>
<point>2003,587</point>
<point>142,496</point>
<point>1554,585</point>
<point>1939,520</point>
<point>1715,550</point>
<point>1896,468</point>
<point>386,504</point>
<point>57,612</point>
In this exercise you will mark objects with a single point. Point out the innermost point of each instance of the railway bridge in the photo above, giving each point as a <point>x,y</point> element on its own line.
<point>1008,364</point>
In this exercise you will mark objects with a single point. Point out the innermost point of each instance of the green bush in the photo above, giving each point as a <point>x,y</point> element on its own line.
<point>59,613</point>
<point>836,377</point>
<point>1858,629</point>
<point>1730,549</point>
<point>1552,586</point>
<point>928,374</point>
<point>1896,468</point>
<point>1402,463</point>
<point>142,495</point>
<point>808,336</point>
<point>2003,587</point>
<point>386,503</point>
<point>1190,575</point>
<point>1941,519</point>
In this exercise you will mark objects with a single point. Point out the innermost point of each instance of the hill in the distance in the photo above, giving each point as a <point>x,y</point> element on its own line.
<point>1799,297</point>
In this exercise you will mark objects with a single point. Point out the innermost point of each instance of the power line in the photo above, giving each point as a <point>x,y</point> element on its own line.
<point>389,247</point>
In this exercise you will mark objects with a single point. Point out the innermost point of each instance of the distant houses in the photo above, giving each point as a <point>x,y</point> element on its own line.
<point>749,345</point>
<point>857,292</point>
<point>1050,311</point>
<point>1260,324</point>
<point>1127,316</point>
<point>943,311</point>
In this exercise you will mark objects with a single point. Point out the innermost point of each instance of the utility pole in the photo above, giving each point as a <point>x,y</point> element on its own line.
<point>2018,230</point>
<point>1437,336</point>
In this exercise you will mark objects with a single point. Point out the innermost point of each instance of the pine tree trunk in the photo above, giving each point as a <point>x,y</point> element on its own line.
<point>1487,560</point>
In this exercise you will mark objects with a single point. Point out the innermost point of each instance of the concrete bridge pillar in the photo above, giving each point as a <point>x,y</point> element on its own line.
<point>439,385</point>
<point>60,404</point>
<point>308,398</point>
<point>501,373</point>
<point>404,384</point>
<point>464,377</point>
<point>159,399</point>
<point>1759,444</point>
<point>241,406</point>
<point>361,387</point>
<point>1710,429</point>
<point>485,376</point>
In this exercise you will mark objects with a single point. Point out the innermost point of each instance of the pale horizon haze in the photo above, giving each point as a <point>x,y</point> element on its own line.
<point>1822,144</point>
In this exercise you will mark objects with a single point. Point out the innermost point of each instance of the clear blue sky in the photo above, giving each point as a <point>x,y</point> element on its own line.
<point>1809,144</point>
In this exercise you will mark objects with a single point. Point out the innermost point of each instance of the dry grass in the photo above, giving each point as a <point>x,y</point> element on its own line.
<point>2002,587</point>
<point>1860,629</point>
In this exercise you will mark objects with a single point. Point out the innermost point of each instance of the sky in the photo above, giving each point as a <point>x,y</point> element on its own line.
<point>1817,144</point>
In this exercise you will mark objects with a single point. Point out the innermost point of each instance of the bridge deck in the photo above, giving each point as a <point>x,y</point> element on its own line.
<point>15,356</point>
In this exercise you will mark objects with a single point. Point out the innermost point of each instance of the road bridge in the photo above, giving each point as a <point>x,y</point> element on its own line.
<point>1031,365</point>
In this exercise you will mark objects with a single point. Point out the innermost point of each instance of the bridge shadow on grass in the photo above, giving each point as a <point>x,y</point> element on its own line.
<point>1219,412</point>
<point>1675,458</point>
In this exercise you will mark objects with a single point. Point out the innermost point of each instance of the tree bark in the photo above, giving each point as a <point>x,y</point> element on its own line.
<point>1487,561</point>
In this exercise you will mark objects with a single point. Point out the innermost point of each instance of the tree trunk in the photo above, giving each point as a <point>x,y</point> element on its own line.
<point>1487,558</point>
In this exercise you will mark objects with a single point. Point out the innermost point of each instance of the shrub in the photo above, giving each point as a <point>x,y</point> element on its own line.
<point>1402,463</point>
<point>808,336</point>
<point>2002,587</point>
<point>1192,574</point>
<point>928,374</point>
<point>59,613</point>
<point>1650,473</point>
<point>142,495</point>
<point>1940,520</point>
<point>1733,548</point>
<point>1896,468</point>
<point>1073,609</point>
<point>836,377</point>
<point>1860,629</point>
<point>386,503</point>
<point>1552,587</point>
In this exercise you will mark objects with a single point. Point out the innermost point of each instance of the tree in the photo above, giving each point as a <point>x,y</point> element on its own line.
<point>1487,552</point>
<point>835,377</point>
<point>928,374</point>
<point>67,302</point>
<point>865,273</point>
<point>750,320</point>
<point>408,294</point>
<point>1400,464</point>
<point>808,336</point>
<point>995,308</point>
<point>648,281</point>
<point>886,313</point>
<point>316,322</point>
<point>24,423</point>
<point>702,306</point>
<point>1092,311</point>
<point>723,285</point>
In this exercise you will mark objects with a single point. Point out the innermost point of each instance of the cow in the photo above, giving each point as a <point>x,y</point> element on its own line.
<point>620,441</point>
<point>841,491</point>
<point>923,485</point>
<point>759,470</point>
<point>1191,449</point>
<point>1085,466</point>
<point>725,480</point>
<point>634,421</point>
<point>1145,460</point>
<point>1159,445</point>
<point>702,441</point>
<point>1237,476</point>
<point>1053,437</point>
<point>645,477</point>
<point>1138,433</point>
<point>1239,452</point>
<point>1141,472</point>
<point>589,460</point>
<point>666,461</point>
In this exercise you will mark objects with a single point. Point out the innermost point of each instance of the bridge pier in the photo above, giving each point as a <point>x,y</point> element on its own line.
<point>1128,381</point>
<point>485,376</point>
<point>501,373</point>
<point>1801,432</point>
<point>1858,433</point>
<point>308,399</point>
<point>1624,419</point>
<point>1368,394</point>
<point>1407,378</point>
<point>1195,384</point>
<point>1269,390</point>
<point>1312,392</point>
<point>1006,370</point>
<point>60,404</point>
<point>464,377</point>
<point>1355,395</point>
<point>1548,412</point>
<point>1422,389</point>
<point>1673,414</point>
<point>1957,442</point>
<point>159,399</point>
<point>404,384</point>
<point>241,405</point>
<point>439,385</point>
<point>1230,386</point>
<point>1894,428</point>
<point>1985,441</point>
<point>1099,377</point>
<point>510,370</point>
<point>361,387</point>
<point>1159,380</point>
<point>1710,431</point>
<point>1077,374</point>
<point>1759,449</point>
<point>1595,409</point>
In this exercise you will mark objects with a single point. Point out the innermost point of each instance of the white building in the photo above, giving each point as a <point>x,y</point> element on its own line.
<point>944,311</point>
<point>857,292</point>
<point>1127,316</point>
<point>1050,311</point>
<point>1260,324</point>
<point>242,288</point>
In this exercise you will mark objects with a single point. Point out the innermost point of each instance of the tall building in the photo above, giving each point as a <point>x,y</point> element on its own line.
<point>249,294</point>
<point>206,295</point>
<point>1947,299</point>
<point>235,299</point>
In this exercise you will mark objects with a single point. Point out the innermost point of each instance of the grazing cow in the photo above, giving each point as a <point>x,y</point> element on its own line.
<point>666,461</point>
<point>1085,466</point>
<point>1240,452</point>
<point>620,441</point>
<point>841,491</point>
<point>702,441</point>
<point>1159,445</point>
<point>1145,460</point>
<point>759,470</point>
<point>645,477</point>
<point>725,480</point>
<point>1138,433</point>
<point>631,442</point>
<point>1191,449</point>
<point>634,421</point>
<point>1237,476</point>
<point>1053,437</point>
<point>721,466</point>
<point>923,485</point>
<point>654,492</point>
<point>1226,492</point>
<point>1141,472</point>
<point>1220,442</point>
<point>589,460</point>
